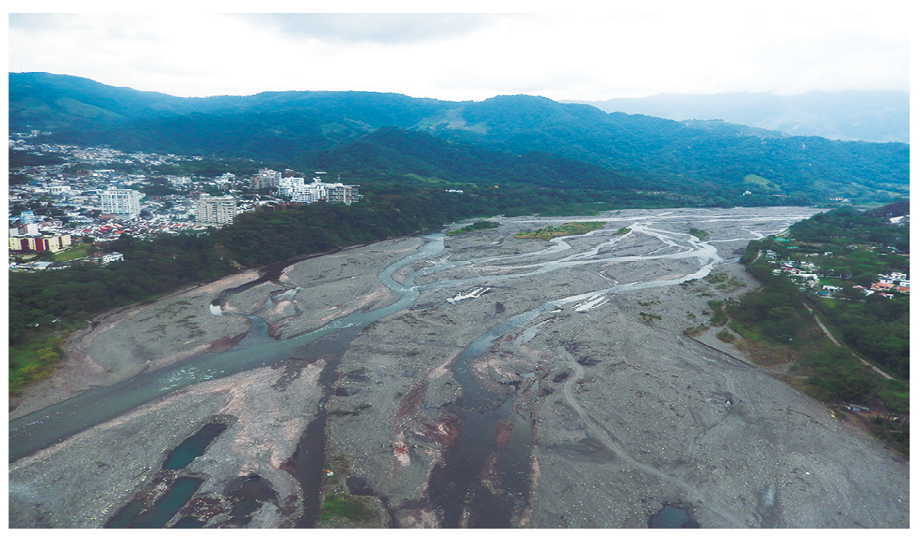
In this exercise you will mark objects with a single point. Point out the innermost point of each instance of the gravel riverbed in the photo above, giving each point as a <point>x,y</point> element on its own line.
<point>627,412</point>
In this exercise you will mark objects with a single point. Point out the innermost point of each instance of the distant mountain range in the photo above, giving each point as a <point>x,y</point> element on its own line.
<point>521,139</point>
<point>874,116</point>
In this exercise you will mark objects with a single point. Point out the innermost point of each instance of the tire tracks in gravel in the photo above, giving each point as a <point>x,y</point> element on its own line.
<point>601,435</point>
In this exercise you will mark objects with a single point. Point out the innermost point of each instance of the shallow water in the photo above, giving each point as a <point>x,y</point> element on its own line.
<point>163,509</point>
<point>672,517</point>
<point>57,422</point>
<point>194,446</point>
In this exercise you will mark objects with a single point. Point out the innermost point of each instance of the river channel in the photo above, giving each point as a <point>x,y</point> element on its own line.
<point>455,488</point>
<point>53,424</point>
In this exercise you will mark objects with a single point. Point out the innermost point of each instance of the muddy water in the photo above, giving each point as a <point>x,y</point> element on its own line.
<point>307,463</point>
<point>484,481</point>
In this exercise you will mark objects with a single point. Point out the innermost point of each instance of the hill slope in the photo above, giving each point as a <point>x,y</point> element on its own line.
<point>854,115</point>
<point>330,127</point>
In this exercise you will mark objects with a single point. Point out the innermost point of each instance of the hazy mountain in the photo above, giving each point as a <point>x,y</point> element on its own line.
<point>520,138</point>
<point>875,116</point>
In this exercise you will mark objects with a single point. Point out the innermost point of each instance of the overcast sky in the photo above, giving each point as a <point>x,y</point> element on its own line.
<point>644,49</point>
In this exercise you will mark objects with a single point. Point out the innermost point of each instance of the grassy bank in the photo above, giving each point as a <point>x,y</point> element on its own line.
<point>34,361</point>
<point>566,229</point>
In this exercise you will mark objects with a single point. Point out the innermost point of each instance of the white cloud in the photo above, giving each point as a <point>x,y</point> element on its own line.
<point>385,28</point>
<point>638,50</point>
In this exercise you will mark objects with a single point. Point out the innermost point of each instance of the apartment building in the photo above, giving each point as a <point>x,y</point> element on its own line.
<point>40,243</point>
<point>121,202</point>
<point>300,191</point>
<point>216,210</point>
<point>266,178</point>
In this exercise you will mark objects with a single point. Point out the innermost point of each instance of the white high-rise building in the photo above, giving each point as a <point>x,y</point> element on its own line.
<point>121,202</point>
<point>219,210</point>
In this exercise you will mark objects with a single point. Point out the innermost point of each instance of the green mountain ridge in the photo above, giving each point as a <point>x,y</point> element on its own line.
<point>463,140</point>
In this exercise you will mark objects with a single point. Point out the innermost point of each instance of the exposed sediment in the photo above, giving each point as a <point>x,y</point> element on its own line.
<point>625,412</point>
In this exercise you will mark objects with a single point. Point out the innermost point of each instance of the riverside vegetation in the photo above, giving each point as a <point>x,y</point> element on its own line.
<point>779,332</point>
<point>565,229</point>
<point>45,306</point>
<point>517,139</point>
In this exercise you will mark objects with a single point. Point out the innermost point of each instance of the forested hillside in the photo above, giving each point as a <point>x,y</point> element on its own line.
<point>713,159</point>
<point>849,250</point>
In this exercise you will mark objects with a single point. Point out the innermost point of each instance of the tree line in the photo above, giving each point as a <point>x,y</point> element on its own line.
<point>773,319</point>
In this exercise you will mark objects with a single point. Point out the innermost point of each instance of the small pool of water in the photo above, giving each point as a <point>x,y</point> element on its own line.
<point>248,494</point>
<point>672,517</point>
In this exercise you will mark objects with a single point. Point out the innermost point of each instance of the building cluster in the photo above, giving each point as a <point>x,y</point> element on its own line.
<point>808,275</point>
<point>40,242</point>
<point>890,283</point>
<point>28,237</point>
<point>297,189</point>
<point>51,207</point>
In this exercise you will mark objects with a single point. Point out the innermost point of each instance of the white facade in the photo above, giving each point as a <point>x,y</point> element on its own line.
<point>122,202</point>
<point>107,258</point>
<point>27,229</point>
<point>219,210</point>
<point>286,186</point>
<point>299,191</point>
<point>179,181</point>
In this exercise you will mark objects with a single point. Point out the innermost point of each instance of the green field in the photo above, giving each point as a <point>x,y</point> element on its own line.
<point>74,252</point>
<point>760,181</point>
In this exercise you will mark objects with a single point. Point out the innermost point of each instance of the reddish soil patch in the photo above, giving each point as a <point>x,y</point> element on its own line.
<point>503,432</point>
<point>225,343</point>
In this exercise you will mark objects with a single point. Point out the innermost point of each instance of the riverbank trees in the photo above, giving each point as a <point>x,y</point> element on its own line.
<point>43,306</point>
<point>779,329</point>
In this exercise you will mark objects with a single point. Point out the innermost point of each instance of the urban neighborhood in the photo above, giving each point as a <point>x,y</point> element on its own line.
<point>90,200</point>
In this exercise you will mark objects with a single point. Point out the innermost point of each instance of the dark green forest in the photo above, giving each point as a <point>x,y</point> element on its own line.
<point>854,247</point>
<point>520,138</point>
<point>511,155</point>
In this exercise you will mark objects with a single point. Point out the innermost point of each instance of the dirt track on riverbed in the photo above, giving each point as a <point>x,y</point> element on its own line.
<point>628,413</point>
